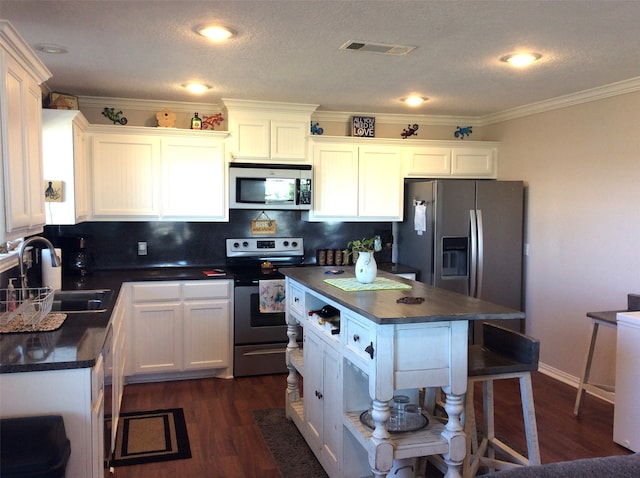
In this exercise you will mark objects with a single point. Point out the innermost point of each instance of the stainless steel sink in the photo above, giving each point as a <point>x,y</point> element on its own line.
<point>81,301</point>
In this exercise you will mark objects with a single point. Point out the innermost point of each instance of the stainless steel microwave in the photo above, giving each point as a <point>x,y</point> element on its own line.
<point>269,186</point>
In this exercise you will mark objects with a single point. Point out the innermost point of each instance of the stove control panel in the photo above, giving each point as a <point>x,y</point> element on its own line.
<point>265,247</point>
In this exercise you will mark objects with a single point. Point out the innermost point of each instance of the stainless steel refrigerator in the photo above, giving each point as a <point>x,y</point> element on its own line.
<point>473,242</point>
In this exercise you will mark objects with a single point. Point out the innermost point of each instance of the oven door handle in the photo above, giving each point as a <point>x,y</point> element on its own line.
<point>246,283</point>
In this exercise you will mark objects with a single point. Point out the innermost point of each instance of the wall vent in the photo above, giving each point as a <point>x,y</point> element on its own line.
<point>382,48</point>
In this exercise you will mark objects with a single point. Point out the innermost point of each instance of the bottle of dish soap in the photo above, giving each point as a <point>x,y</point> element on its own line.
<point>11,296</point>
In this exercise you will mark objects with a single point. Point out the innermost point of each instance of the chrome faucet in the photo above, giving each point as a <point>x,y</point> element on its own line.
<point>55,260</point>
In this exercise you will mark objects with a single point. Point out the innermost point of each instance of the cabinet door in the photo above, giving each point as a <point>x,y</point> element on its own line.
<point>157,337</point>
<point>313,405</point>
<point>427,162</point>
<point>252,138</point>
<point>323,400</point>
<point>125,176</point>
<point>335,188</point>
<point>474,162</point>
<point>380,183</point>
<point>194,175</point>
<point>22,153</point>
<point>207,340</point>
<point>288,140</point>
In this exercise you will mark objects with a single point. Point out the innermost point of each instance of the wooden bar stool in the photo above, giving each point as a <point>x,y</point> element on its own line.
<point>608,319</point>
<point>504,354</point>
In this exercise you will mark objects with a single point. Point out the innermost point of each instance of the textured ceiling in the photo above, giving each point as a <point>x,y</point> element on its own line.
<point>287,50</point>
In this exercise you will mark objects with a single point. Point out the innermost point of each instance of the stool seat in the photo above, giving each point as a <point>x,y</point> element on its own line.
<point>484,361</point>
<point>33,447</point>
<point>504,354</point>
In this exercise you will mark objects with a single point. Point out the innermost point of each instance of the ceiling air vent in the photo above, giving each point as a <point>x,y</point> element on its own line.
<point>372,47</point>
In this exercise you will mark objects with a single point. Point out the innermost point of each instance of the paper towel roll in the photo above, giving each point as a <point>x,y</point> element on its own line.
<point>51,276</point>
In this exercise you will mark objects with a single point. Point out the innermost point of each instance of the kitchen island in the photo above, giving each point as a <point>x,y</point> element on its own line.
<point>402,337</point>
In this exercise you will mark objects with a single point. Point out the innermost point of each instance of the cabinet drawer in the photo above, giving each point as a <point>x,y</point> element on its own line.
<point>219,289</point>
<point>359,336</point>
<point>156,291</point>
<point>296,302</point>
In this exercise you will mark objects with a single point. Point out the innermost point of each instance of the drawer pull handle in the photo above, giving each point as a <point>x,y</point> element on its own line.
<point>369,349</point>
<point>356,338</point>
<point>319,395</point>
<point>296,299</point>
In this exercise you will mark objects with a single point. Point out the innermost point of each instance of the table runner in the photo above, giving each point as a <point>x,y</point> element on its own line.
<point>351,284</point>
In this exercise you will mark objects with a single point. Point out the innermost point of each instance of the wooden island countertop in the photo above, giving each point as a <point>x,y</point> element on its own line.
<point>381,307</point>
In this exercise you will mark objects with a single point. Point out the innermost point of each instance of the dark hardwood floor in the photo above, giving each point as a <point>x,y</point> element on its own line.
<point>225,442</point>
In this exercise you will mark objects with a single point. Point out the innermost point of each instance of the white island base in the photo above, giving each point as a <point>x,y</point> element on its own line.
<point>360,358</point>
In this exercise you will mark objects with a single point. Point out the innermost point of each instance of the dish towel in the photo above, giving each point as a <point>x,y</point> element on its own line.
<point>420,219</point>
<point>272,296</point>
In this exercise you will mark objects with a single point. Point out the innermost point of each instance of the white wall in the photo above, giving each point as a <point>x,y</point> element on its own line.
<point>582,168</point>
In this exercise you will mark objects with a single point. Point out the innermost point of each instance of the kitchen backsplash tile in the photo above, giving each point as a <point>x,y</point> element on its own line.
<point>114,245</point>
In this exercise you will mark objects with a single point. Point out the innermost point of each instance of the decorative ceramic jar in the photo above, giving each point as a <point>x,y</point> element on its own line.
<point>366,267</point>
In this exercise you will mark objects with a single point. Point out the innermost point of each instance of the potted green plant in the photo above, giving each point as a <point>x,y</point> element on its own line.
<point>362,250</point>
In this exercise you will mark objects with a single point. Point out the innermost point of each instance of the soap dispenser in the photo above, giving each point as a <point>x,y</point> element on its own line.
<point>11,296</point>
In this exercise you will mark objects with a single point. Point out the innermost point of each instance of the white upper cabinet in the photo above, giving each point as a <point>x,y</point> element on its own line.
<point>21,72</point>
<point>64,152</point>
<point>150,174</point>
<point>354,181</point>
<point>194,179</point>
<point>438,159</point>
<point>125,175</point>
<point>265,131</point>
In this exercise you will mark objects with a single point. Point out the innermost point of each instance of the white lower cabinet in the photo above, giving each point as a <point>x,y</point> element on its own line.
<point>178,327</point>
<point>75,394</point>
<point>322,384</point>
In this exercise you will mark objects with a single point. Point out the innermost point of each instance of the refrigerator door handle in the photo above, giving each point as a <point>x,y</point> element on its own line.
<point>473,259</point>
<point>480,256</point>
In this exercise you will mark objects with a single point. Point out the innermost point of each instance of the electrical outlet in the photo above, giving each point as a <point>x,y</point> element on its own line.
<point>142,248</point>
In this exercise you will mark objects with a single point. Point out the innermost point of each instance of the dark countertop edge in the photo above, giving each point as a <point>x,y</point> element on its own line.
<point>473,309</point>
<point>608,316</point>
<point>107,279</point>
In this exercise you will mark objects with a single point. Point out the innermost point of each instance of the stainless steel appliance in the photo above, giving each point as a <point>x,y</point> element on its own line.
<point>473,243</point>
<point>269,186</point>
<point>260,338</point>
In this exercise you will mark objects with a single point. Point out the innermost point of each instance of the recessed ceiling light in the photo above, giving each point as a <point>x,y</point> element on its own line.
<point>196,88</point>
<point>521,59</point>
<point>414,100</point>
<point>216,32</point>
<point>50,48</point>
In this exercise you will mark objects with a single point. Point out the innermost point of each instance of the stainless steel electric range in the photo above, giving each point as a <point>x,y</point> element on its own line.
<point>260,338</point>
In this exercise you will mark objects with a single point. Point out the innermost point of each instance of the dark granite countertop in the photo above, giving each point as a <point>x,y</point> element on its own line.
<point>78,343</point>
<point>381,307</point>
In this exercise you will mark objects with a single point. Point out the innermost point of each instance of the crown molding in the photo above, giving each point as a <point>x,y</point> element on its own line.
<point>145,105</point>
<point>586,96</point>
<point>20,50</point>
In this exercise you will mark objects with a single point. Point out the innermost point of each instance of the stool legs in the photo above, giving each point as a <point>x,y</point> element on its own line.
<point>483,452</point>
<point>586,370</point>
